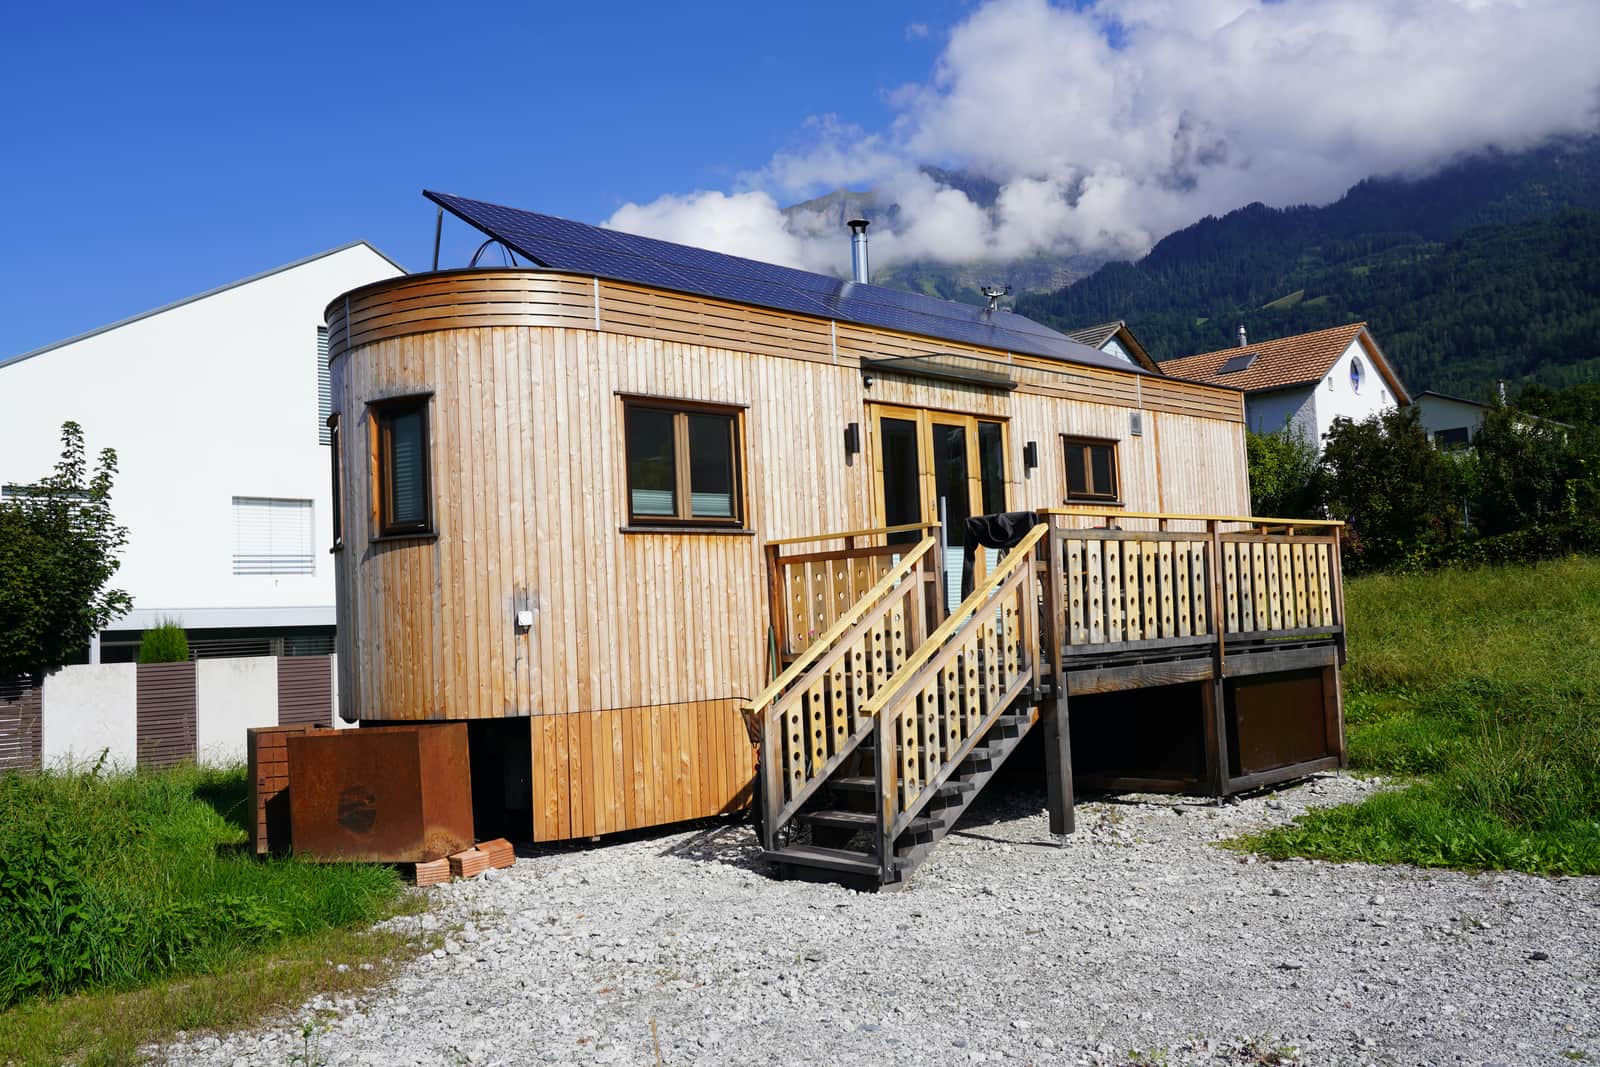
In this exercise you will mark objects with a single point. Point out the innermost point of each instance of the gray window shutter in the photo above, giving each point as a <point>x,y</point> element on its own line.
<point>324,389</point>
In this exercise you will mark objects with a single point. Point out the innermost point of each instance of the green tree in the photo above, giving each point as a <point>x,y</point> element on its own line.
<point>1285,479</point>
<point>1526,472</point>
<point>165,642</point>
<point>58,548</point>
<point>1397,491</point>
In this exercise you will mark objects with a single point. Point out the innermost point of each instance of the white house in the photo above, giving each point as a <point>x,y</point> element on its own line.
<point>1303,382</point>
<point>1451,421</point>
<point>217,408</point>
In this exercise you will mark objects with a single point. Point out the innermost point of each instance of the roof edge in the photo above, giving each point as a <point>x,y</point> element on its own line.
<point>6,361</point>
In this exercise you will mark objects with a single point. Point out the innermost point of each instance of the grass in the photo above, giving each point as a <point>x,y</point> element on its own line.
<point>129,907</point>
<point>1482,689</point>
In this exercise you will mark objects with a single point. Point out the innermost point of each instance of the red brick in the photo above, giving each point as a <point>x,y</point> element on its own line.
<point>433,872</point>
<point>500,852</point>
<point>469,863</point>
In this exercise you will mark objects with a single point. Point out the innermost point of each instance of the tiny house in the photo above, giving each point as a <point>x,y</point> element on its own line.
<point>677,533</point>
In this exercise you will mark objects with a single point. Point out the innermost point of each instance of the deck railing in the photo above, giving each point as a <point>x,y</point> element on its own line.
<point>814,581</point>
<point>944,698</point>
<point>1128,590</point>
<point>813,716</point>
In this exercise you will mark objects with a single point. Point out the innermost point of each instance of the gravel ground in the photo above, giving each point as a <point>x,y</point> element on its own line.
<point>1136,942</point>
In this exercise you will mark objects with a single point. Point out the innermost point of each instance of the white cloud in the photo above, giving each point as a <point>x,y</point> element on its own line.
<point>916,31</point>
<point>1108,126</point>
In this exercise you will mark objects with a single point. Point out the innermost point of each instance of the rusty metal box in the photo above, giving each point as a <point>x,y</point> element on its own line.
<point>388,794</point>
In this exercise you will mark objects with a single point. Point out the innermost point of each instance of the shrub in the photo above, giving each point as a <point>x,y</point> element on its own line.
<point>1397,491</point>
<point>1285,480</point>
<point>164,643</point>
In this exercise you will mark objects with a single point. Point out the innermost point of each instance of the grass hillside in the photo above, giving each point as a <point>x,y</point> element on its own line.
<point>1483,687</point>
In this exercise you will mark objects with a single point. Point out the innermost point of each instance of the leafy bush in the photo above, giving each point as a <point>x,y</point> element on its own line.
<point>117,880</point>
<point>1397,491</point>
<point>165,642</point>
<point>1285,479</point>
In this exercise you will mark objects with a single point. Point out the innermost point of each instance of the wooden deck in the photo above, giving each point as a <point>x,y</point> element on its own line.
<point>890,714</point>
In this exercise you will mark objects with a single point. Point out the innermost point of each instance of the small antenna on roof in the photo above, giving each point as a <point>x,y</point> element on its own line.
<point>994,293</point>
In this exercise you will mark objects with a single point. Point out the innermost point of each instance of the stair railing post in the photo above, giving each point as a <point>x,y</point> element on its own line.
<point>884,779</point>
<point>771,778</point>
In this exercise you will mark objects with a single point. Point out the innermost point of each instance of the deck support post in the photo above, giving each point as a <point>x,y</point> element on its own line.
<point>1214,706</point>
<point>1057,727</point>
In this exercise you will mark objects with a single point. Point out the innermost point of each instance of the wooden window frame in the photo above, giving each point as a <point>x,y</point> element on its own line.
<point>1071,441</point>
<point>382,411</point>
<point>683,496</point>
<point>336,460</point>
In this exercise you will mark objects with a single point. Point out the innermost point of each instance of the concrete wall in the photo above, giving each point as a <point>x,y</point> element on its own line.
<point>87,710</point>
<point>205,401</point>
<point>232,695</point>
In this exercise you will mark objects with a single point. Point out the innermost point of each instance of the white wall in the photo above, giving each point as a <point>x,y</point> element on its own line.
<point>230,696</point>
<point>203,402</point>
<point>1443,413</point>
<point>87,710</point>
<point>1271,412</point>
<point>1336,399</point>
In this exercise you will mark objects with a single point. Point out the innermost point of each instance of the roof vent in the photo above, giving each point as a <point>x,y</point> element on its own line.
<point>1244,342</point>
<point>858,250</point>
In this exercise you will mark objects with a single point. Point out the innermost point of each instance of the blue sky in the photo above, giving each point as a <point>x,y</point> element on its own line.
<point>159,150</point>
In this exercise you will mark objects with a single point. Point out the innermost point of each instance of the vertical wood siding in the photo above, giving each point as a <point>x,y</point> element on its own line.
<point>644,643</point>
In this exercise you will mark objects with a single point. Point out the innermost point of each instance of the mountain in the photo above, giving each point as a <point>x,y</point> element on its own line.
<point>951,281</point>
<point>1488,269</point>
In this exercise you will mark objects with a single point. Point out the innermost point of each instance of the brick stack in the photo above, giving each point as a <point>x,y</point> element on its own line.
<point>501,854</point>
<point>267,754</point>
<point>470,863</point>
<point>434,872</point>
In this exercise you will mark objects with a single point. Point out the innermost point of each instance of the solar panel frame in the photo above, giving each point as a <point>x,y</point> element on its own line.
<point>563,244</point>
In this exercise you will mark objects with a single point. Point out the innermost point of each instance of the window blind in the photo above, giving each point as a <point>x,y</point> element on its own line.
<point>272,536</point>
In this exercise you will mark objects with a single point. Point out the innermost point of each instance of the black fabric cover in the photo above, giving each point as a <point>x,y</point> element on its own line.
<point>1001,530</point>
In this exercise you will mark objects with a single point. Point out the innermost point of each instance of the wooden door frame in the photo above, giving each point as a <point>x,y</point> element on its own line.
<point>924,419</point>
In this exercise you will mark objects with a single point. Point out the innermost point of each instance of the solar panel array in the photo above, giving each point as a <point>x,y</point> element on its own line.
<point>561,244</point>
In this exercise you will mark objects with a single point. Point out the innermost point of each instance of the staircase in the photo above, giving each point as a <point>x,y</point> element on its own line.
<point>877,739</point>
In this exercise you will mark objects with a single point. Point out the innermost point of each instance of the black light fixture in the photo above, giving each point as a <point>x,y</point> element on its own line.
<point>852,441</point>
<point>1030,455</point>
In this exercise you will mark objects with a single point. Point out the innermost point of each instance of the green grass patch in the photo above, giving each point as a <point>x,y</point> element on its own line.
<point>114,881</point>
<point>1483,687</point>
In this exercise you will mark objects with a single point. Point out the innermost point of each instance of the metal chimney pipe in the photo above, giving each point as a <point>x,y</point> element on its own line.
<point>858,250</point>
<point>1244,342</point>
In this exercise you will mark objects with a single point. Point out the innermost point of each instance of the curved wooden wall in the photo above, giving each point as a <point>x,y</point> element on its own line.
<point>644,643</point>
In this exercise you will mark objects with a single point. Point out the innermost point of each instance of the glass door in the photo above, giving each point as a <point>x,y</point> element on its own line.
<point>935,466</point>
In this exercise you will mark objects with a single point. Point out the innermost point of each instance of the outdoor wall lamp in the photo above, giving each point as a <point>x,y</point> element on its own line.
<point>1030,455</point>
<point>852,441</point>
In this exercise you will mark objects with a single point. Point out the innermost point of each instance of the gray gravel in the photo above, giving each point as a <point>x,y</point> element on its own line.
<point>1136,942</point>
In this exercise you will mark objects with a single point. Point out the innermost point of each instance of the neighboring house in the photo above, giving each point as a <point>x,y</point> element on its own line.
<point>1304,381</point>
<point>1115,339</point>
<point>217,407</point>
<point>1451,421</point>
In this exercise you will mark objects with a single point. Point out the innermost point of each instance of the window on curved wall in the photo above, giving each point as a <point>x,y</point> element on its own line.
<point>404,503</point>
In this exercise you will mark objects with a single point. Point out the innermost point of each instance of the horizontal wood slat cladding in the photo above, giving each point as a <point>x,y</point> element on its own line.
<point>164,711</point>
<point>605,771</point>
<point>305,690</point>
<point>21,740</point>
<point>521,297</point>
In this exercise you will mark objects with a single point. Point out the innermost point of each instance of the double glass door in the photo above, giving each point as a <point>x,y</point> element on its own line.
<point>935,466</point>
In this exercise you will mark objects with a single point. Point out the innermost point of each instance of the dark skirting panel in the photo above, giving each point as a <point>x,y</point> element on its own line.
<point>165,714</point>
<point>305,691</point>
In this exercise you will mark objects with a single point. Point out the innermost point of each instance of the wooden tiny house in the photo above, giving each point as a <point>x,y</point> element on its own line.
<point>630,494</point>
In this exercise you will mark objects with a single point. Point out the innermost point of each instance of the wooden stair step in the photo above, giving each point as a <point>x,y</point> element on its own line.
<point>855,785</point>
<point>831,859</point>
<point>858,820</point>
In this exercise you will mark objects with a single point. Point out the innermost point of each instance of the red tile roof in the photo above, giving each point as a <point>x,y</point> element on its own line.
<point>1299,360</point>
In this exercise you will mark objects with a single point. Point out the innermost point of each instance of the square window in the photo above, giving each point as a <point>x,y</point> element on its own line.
<point>1091,469</point>
<point>683,464</point>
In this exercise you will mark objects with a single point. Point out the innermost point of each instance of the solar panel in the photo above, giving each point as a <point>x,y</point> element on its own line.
<point>1237,363</point>
<point>561,244</point>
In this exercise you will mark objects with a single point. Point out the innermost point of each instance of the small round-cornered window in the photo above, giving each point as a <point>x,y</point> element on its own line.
<point>1357,372</point>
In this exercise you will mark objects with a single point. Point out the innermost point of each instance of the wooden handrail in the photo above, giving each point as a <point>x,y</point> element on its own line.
<point>1022,551</point>
<point>1253,520</point>
<point>863,605</point>
<point>842,534</point>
